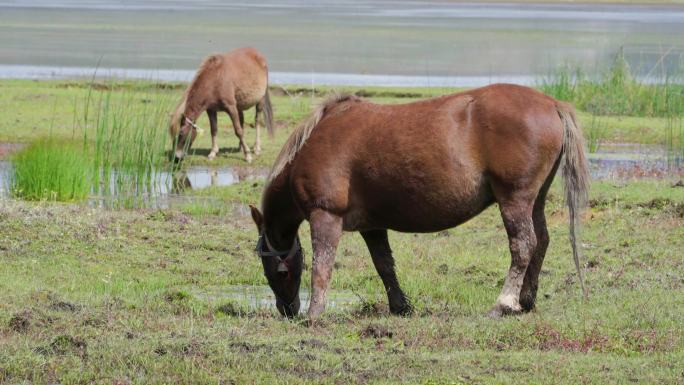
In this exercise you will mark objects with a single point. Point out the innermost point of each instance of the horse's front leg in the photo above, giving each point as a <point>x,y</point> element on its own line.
<point>522,240</point>
<point>213,124</point>
<point>326,230</point>
<point>237,118</point>
<point>380,251</point>
<point>257,144</point>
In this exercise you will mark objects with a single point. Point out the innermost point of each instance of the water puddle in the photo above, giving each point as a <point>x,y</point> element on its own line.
<point>629,161</point>
<point>261,297</point>
<point>5,174</point>
<point>165,189</point>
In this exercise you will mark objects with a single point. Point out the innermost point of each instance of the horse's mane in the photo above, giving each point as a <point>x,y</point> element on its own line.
<point>299,136</point>
<point>207,64</point>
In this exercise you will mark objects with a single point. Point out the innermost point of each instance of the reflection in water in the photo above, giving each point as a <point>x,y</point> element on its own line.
<point>5,173</point>
<point>203,177</point>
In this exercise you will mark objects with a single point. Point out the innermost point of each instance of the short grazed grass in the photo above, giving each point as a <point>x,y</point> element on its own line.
<point>133,296</point>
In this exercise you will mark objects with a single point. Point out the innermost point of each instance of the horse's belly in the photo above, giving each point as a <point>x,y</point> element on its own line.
<point>427,209</point>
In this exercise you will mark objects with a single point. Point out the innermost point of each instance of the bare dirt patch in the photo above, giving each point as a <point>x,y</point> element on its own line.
<point>376,331</point>
<point>21,321</point>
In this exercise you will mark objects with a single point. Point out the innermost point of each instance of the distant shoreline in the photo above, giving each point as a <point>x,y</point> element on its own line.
<point>281,78</point>
<point>275,77</point>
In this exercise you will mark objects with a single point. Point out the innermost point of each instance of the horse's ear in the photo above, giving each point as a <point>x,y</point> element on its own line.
<point>257,217</point>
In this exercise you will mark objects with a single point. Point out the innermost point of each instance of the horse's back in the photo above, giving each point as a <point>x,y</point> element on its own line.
<point>239,76</point>
<point>248,72</point>
<point>405,166</point>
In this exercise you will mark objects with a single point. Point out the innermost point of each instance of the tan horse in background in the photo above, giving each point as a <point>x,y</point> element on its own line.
<point>420,167</point>
<point>232,82</point>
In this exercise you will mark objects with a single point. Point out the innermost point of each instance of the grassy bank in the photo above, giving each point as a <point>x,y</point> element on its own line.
<point>93,296</point>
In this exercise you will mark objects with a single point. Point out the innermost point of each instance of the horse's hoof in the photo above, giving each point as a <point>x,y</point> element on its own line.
<point>310,322</point>
<point>527,302</point>
<point>248,158</point>
<point>257,151</point>
<point>405,310</point>
<point>499,311</point>
<point>211,156</point>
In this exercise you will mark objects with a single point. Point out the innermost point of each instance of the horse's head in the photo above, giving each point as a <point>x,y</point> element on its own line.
<point>187,132</point>
<point>282,266</point>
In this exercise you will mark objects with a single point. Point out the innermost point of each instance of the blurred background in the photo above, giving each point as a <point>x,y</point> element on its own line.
<point>375,42</point>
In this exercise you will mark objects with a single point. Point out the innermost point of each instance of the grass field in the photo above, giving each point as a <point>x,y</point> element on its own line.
<point>92,296</point>
<point>139,296</point>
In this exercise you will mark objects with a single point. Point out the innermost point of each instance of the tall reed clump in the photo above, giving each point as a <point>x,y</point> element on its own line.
<point>618,91</point>
<point>50,169</point>
<point>126,135</point>
<point>595,132</point>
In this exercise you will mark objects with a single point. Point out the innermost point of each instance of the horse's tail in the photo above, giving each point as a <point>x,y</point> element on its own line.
<point>268,113</point>
<point>175,124</point>
<point>576,176</point>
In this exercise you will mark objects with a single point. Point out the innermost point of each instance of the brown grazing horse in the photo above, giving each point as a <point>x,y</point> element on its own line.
<point>419,167</point>
<point>230,82</point>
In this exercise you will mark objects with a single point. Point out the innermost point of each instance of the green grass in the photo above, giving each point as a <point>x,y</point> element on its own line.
<point>134,296</point>
<point>50,169</point>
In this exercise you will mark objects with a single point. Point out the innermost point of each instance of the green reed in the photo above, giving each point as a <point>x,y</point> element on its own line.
<point>595,132</point>
<point>618,92</point>
<point>675,141</point>
<point>50,169</point>
<point>126,133</point>
<point>120,155</point>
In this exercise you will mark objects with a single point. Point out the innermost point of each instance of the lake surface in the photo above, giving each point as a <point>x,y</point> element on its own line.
<point>373,42</point>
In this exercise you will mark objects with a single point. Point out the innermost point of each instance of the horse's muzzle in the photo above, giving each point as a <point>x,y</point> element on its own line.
<point>288,310</point>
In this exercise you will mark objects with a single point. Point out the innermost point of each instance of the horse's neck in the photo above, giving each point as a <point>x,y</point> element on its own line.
<point>192,112</point>
<point>281,216</point>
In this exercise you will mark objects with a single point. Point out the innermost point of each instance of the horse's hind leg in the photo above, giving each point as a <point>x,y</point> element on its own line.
<point>380,251</point>
<point>214,130</point>
<point>528,293</point>
<point>257,143</point>
<point>235,117</point>
<point>517,218</point>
